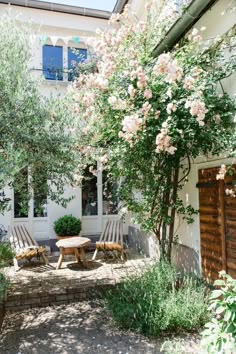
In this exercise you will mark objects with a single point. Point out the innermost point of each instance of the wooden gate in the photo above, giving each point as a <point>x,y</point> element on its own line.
<point>217,224</point>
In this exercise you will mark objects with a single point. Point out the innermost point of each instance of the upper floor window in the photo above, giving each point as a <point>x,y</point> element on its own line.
<point>75,56</point>
<point>52,62</point>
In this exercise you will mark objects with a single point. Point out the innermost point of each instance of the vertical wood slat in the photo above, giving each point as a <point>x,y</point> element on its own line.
<point>114,232</point>
<point>222,226</point>
<point>117,227</point>
<point>106,236</point>
<point>18,237</point>
<point>103,233</point>
<point>210,215</point>
<point>121,233</point>
<point>21,236</point>
<point>28,237</point>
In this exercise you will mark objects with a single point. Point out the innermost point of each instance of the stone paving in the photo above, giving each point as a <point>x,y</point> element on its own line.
<point>37,285</point>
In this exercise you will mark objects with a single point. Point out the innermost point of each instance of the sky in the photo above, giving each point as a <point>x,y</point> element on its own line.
<point>107,5</point>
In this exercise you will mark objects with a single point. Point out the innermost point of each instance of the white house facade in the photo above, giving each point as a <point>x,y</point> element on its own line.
<point>56,32</point>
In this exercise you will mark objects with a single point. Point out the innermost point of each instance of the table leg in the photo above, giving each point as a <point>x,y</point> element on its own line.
<point>83,257</point>
<point>77,256</point>
<point>60,258</point>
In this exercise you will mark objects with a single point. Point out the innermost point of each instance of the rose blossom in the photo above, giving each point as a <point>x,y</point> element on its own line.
<point>132,91</point>
<point>168,67</point>
<point>112,100</point>
<point>157,114</point>
<point>188,83</point>
<point>197,108</point>
<point>163,140</point>
<point>131,124</point>
<point>230,192</point>
<point>104,159</point>
<point>147,94</point>
<point>222,172</point>
<point>195,32</point>
<point>145,109</point>
<point>171,107</point>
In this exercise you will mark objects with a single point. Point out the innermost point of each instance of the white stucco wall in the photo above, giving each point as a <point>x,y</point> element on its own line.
<point>217,21</point>
<point>60,25</point>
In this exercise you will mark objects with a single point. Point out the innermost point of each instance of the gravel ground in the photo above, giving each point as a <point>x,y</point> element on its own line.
<point>83,327</point>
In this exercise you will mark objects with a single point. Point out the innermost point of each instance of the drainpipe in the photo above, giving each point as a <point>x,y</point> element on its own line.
<point>191,15</point>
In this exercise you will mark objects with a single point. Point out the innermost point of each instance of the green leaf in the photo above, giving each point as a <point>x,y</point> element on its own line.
<point>219,282</point>
<point>215,294</point>
<point>227,315</point>
<point>220,309</point>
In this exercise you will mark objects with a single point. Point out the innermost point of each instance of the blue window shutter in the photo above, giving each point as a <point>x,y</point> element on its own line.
<point>76,55</point>
<point>52,62</point>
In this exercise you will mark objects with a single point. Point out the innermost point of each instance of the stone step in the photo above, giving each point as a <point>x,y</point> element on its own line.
<point>40,285</point>
<point>55,296</point>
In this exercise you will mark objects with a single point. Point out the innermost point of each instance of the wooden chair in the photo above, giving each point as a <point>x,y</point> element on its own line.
<point>24,245</point>
<point>111,238</point>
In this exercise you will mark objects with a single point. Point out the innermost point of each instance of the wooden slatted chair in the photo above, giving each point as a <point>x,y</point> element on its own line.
<point>24,245</point>
<point>111,238</point>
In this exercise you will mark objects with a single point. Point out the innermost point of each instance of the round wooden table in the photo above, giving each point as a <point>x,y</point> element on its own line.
<point>77,244</point>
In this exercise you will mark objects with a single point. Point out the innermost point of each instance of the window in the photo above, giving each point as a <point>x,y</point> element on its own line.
<point>21,196</point>
<point>21,205</point>
<point>75,56</point>
<point>40,195</point>
<point>52,62</point>
<point>89,193</point>
<point>110,200</point>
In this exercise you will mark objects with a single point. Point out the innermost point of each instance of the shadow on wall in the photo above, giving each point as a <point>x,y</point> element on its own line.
<point>142,242</point>
<point>146,244</point>
<point>186,258</point>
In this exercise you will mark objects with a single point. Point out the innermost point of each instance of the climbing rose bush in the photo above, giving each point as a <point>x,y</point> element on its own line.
<point>146,118</point>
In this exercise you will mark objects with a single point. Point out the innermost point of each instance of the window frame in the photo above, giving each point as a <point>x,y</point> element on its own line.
<point>57,73</point>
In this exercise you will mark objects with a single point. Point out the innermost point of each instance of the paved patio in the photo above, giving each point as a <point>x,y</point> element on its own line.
<point>38,285</point>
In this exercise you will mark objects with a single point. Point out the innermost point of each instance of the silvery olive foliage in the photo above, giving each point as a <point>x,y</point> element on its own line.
<point>34,133</point>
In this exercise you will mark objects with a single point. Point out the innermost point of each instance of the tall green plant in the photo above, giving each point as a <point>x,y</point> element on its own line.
<point>159,300</point>
<point>6,256</point>
<point>145,119</point>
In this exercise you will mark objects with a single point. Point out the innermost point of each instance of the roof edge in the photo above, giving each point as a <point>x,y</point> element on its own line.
<point>49,6</point>
<point>119,6</point>
<point>193,13</point>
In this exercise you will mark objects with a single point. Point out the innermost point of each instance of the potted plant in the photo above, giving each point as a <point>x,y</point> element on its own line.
<point>67,226</point>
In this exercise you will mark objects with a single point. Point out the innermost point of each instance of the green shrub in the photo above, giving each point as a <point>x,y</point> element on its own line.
<point>67,225</point>
<point>159,300</point>
<point>3,286</point>
<point>6,254</point>
<point>219,335</point>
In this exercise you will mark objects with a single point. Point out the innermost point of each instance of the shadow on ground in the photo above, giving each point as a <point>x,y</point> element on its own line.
<point>68,329</point>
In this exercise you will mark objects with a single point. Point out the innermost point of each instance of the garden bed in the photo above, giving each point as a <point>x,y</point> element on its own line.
<point>2,313</point>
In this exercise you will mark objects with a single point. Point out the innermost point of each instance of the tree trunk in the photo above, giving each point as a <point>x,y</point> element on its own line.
<point>173,210</point>
<point>166,200</point>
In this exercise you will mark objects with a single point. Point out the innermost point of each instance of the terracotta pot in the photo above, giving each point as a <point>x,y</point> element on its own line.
<point>67,250</point>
